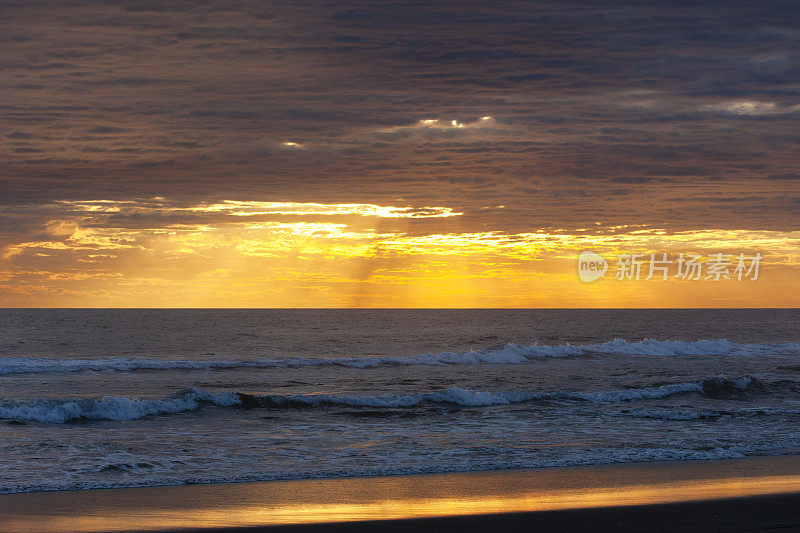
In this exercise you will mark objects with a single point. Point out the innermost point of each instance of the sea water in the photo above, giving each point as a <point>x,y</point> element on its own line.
<point>119,398</point>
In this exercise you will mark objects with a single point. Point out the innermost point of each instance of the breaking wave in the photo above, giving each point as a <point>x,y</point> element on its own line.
<point>506,354</point>
<point>111,407</point>
<point>119,409</point>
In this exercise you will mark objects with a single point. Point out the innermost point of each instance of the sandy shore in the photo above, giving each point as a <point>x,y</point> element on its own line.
<point>736,495</point>
<point>775,513</point>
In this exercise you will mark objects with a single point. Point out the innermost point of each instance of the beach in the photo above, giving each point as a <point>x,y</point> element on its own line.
<point>729,495</point>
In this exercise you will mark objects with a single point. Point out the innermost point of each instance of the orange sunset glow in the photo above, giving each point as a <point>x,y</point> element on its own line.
<point>292,254</point>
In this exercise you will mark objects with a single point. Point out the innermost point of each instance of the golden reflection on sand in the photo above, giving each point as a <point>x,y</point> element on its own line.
<point>419,508</point>
<point>316,501</point>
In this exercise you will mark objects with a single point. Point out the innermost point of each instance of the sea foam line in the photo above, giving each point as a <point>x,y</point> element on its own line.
<point>507,354</point>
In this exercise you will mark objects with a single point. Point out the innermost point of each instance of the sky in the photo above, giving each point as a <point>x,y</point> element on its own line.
<point>387,154</point>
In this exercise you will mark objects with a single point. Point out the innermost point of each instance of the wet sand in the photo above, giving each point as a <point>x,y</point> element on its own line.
<point>774,513</point>
<point>733,495</point>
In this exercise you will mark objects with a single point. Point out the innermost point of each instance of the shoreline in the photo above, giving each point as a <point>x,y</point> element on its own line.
<point>773,513</point>
<point>447,499</point>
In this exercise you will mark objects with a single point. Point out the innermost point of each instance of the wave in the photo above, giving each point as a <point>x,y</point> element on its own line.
<point>682,415</point>
<point>111,407</point>
<point>506,354</point>
<point>149,471</point>
<point>152,474</point>
<point>119,409</point>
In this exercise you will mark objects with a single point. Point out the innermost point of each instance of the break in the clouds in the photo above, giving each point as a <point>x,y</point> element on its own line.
<point>394,119</point>
<point>160,207</point>
<point>432,129</point>
<point>754,108</point>
<point>247,252</point>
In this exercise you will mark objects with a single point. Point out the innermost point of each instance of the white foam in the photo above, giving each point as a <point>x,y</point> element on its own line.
<point>451,395</point>
<point>508,354</point>
<point>111,407</point>
<point>674,414</point>
<point>625,395</point>
<point>244,472</point>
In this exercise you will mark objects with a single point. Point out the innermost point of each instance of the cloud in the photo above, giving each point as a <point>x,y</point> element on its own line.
<point>438,129</point>
<point>113,252</point>
<point>752,108</point>
<point>248,208</point>
<point>291,145</point>
<point>624,114</point>
<point>251,208</point>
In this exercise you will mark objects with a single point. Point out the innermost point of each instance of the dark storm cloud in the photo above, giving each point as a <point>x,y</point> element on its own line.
<point>614,110</point>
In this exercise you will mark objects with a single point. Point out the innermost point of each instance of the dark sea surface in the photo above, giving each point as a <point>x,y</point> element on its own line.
<point>112,398</point>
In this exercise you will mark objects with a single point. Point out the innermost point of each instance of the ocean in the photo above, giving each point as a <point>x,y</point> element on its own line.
<point>120,398</point>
